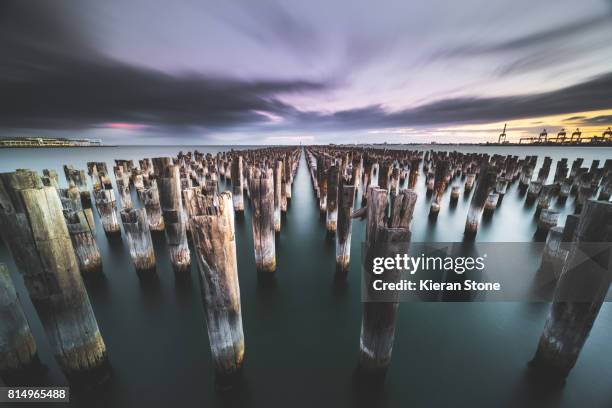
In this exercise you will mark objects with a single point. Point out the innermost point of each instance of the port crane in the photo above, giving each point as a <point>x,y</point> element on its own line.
<point>543,136</point>
<point>561,136</point>
<point>577,134</point>
<point>502,136</point>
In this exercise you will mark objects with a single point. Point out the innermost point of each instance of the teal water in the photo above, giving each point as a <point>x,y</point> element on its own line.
<point>302,333</point>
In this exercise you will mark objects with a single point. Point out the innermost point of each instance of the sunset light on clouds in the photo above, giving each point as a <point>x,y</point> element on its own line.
<point>316,72</point>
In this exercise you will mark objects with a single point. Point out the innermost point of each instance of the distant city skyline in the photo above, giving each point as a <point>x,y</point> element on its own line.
<point>285,72</point>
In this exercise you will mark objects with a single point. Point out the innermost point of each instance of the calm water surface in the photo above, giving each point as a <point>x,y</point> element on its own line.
<point>302,333</point>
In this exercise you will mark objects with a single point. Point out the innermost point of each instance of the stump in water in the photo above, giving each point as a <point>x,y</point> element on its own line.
<point>346,200</point>
<point>331,219</point>
<point>139,240</point>
<point>85,246</point>
<point>50,178</point>
<point>81,232</point>
<point>469,182</point>
<point>123,186</point>
<point>500,188</point>
<point>278,194</point>
<point>150,198</point>
<point>440,183</point>
<point>212,230</point>
<point>288,174</point>
<point>32,225</point>
<point>454,195</point>
<point>76,176</point>
<point>107,210</point>
<point>322,183</point>
<point>18,352</point>
<point>547,220</point>
<point>384,239</point>
<point>169,185</point>
<point>262,201</point>
<point>237,184</point>
<point>485,185</point>
<point>491,204</point>
<point>579,294</point>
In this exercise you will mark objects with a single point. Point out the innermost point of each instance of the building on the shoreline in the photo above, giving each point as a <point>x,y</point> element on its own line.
<point>47,142</point>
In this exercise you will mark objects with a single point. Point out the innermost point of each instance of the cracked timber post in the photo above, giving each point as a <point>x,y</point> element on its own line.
<point>262,201</point>
<point>346,195</point>
<point>386,238</point>
<point>139,240</point>
<point>237,184</point>
<point>579,293</point>
<point>33,226</point>
<point>18,352</point>
<point>212,230</point>
<point>169,184</point>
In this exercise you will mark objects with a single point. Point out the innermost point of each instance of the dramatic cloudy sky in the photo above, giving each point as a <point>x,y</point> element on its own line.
<point>317,71</point>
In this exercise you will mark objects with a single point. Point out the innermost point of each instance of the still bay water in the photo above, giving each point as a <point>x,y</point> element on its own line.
<point>302,332</point>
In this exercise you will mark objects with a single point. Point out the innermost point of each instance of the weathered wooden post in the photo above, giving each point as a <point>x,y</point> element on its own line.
<point>547,220</point>
<point>469,182</point>
<point>169,185</point>
<point>322,176</point>
<point>278,195</point>
<point>440,183</point>
<point>288,174</point>
<point>18,352</point>
<point>32,225</point>
<point>107,209</point>
<point>262,201</point>
<point>212,230</point>
<point>579,294</point>
<point>50,178</point>
<point>346,200</point>
<point>331,219</point>
<point>500,188</point>
<point>150,197</point>
<point>85,246</point>
<point>139,240</point>
<point>237,184</point>
<point>491,204</point>
<point>76,176</point>
<point>123,186</point>
<point>385,239</point>
<point>454,195</point>
<point>485,185</point>
<point>81,230</point>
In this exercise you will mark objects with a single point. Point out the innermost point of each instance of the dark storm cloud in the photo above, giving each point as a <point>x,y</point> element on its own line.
<point>271,24</point>
<point>593,94</point>
<point>555,35</point>
<point>597,120</point>
<point>51,78</point>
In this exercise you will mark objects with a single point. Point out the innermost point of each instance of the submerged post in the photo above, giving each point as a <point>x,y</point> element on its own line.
<point>107,209</point>
<point>262,201</point>
<point>150,198</point>
<point>331,219</point>
<point>139,240</point>
<point>484,187</point>
<point>579,294</point>
<point>32,225</point>
<point>237,184</point>
<point>278,195</point>
<point>346,200</point>
<point>18,352</point>
<point>169,184</point>
<point>81,231</point>
<point>212,229</point>
<point>386,239</point>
